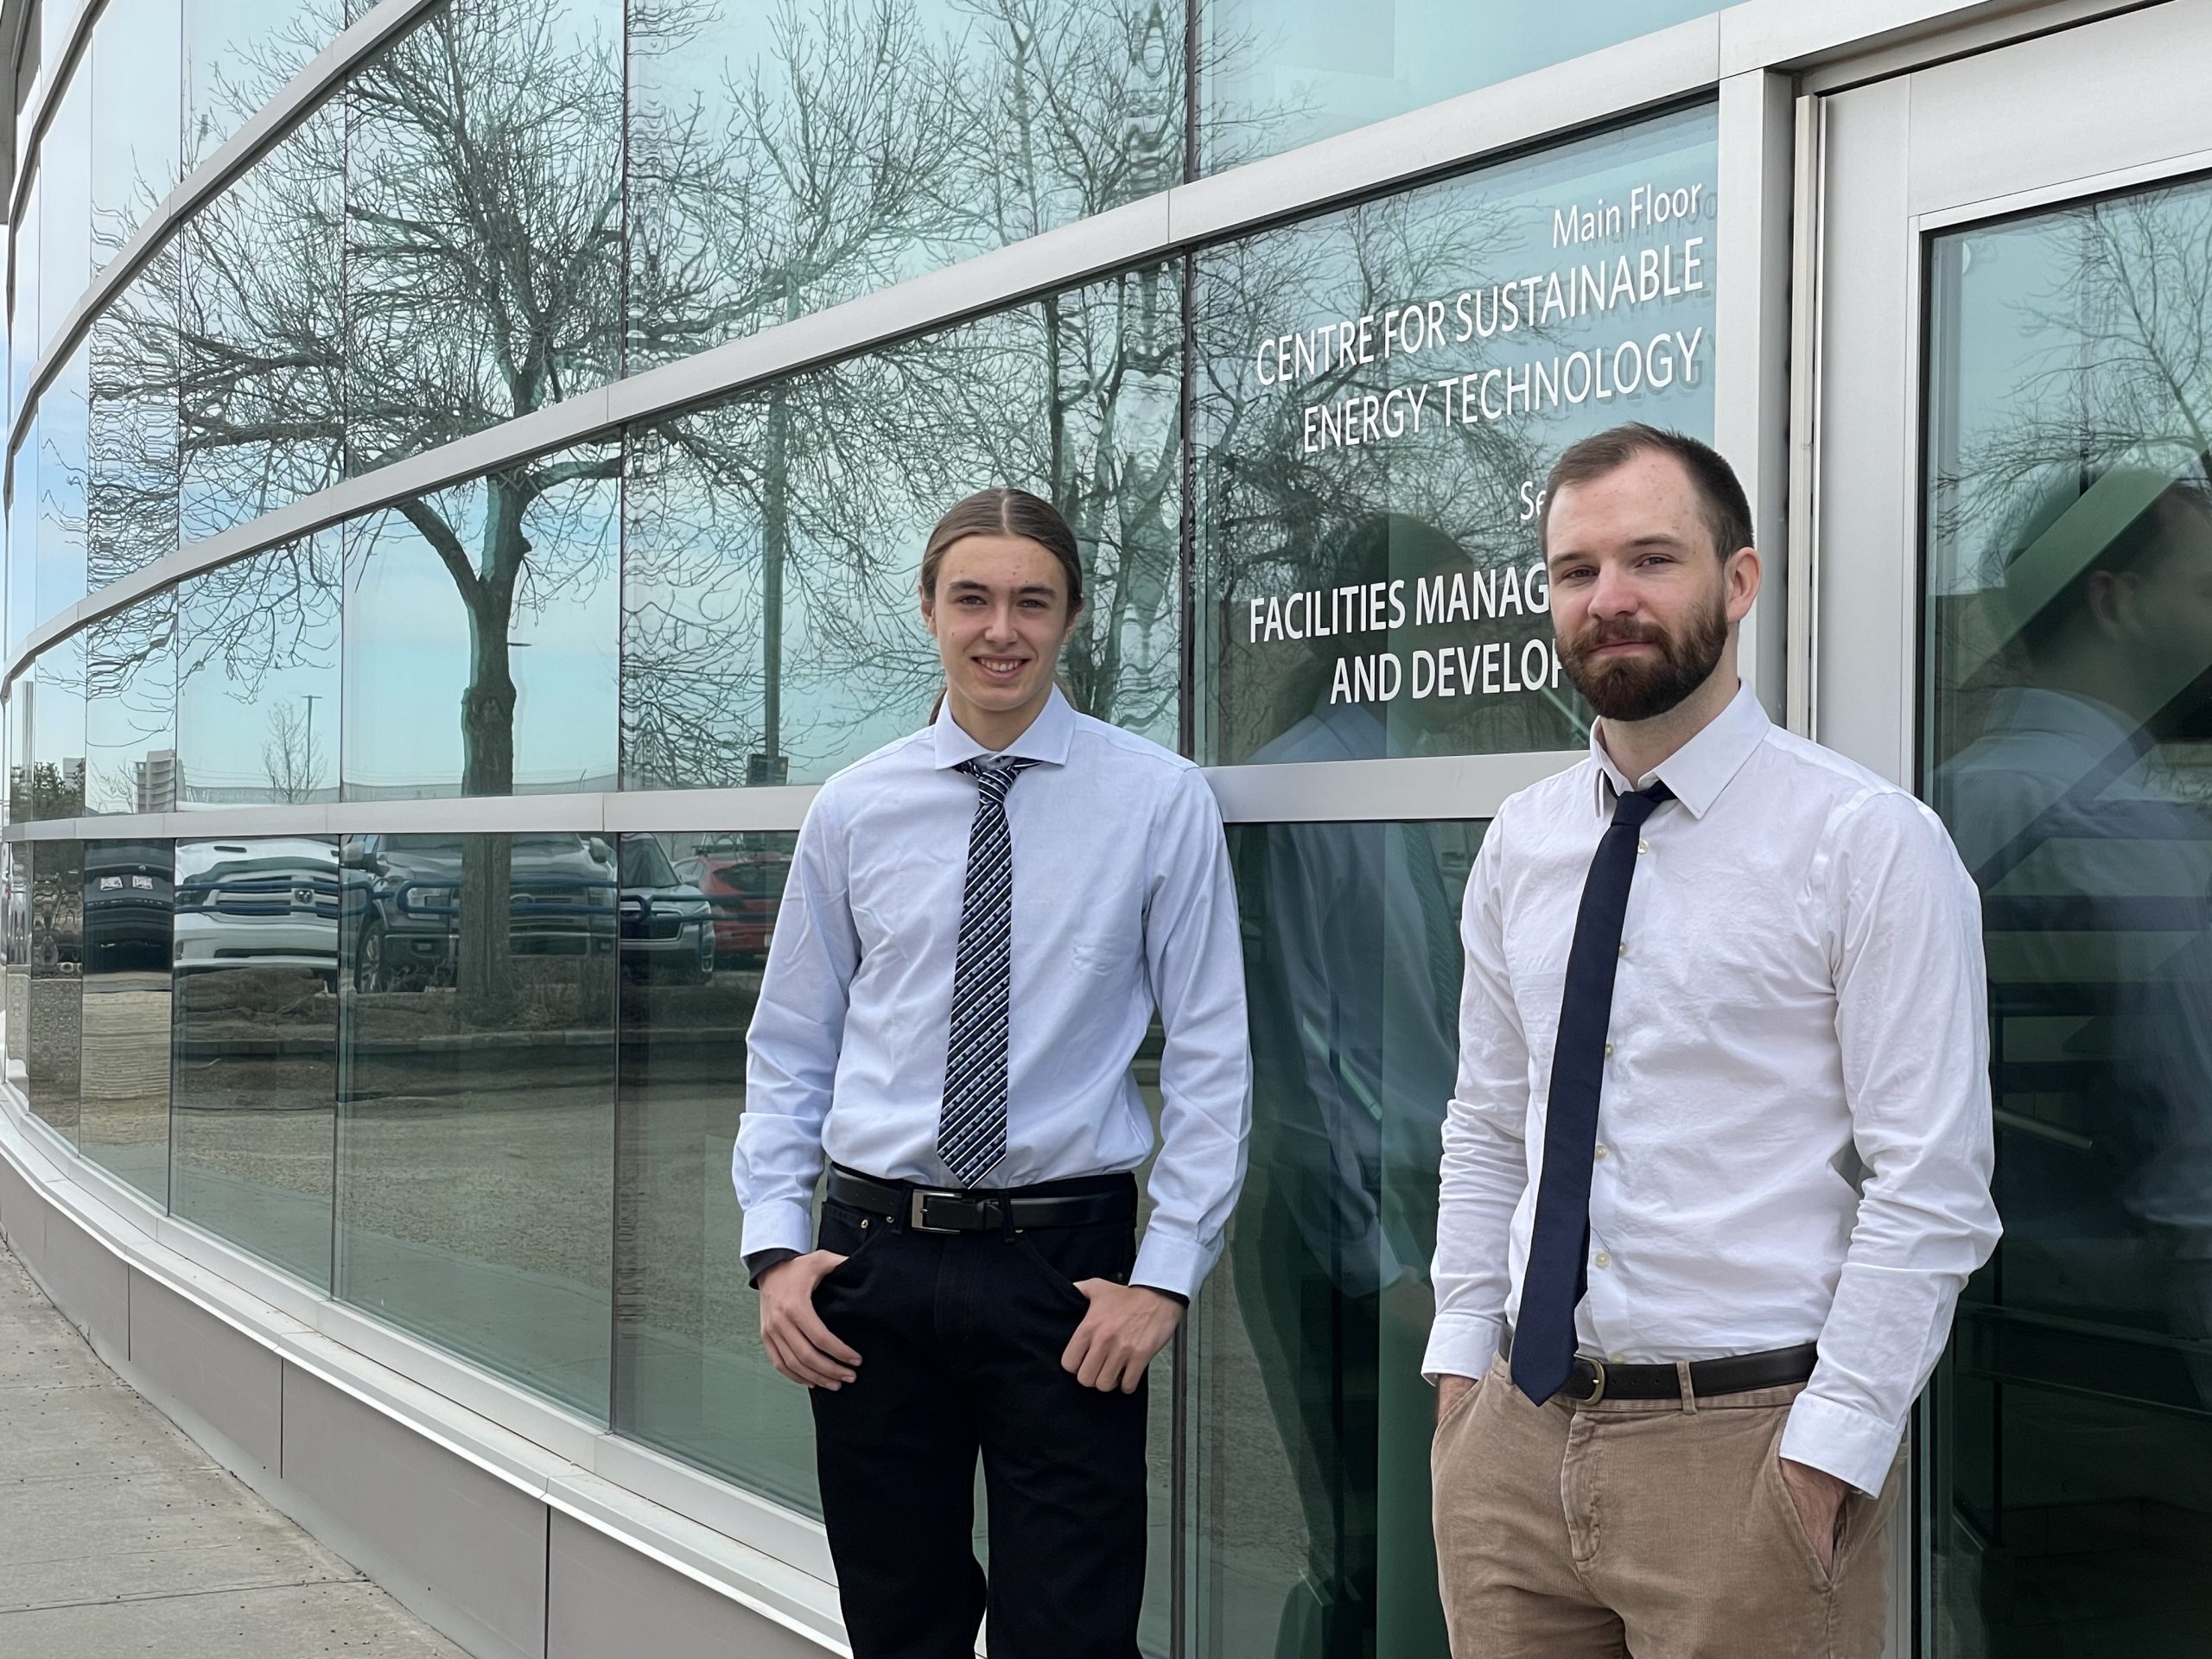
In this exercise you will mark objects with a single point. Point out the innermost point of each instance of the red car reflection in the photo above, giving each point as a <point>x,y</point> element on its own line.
<point>744,887</point>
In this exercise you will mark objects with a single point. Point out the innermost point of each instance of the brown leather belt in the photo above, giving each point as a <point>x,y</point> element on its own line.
<point>1593,1380</point>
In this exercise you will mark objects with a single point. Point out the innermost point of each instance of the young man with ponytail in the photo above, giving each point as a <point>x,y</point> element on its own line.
<point>981,921</point>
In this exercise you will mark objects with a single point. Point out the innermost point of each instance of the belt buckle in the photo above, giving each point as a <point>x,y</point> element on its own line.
<point>1597,1380</point>
<point>917,1207</point>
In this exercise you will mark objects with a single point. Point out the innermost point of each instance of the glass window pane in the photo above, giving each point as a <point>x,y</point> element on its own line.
<point>22,539</point>
<point>785,158</point>
<point>124,1117</point>
<point>130,710</point>
<point>2069,712</point>
<point>1312,1422</point>
<point>23,337</point>
<point>252,1135</point>
<point>259,349</point>
<point>257,679</point>
<point>483,221</point>
<point>131,426</point>
<point>63,465</point>
<point>57,985</point>
<point>690,1376</point>
<point>15,883</point>
<point>1278,73</point>
<point>66,205</point>
<point>481,635</point>
<point>1381,393</point>
<point>237,54</point>
<point>137,72</point>
<point>772,544</point>
<point>57,730</point>
<point>476,1099</point>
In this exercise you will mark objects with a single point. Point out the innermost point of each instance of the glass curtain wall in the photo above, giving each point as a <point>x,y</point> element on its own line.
<point>484,1085</point>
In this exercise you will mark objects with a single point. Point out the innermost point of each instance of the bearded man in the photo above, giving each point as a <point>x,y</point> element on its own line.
<point>1717,1161</point>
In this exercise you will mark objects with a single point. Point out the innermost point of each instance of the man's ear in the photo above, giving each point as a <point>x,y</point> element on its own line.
<point>2112,599</point>
<point>1743,573</point>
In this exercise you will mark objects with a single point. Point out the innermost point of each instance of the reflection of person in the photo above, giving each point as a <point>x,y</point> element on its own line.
<point>1353,974</point>
<point>1717,1163</point>
<point>2098,874</point>
<point>978,924</point>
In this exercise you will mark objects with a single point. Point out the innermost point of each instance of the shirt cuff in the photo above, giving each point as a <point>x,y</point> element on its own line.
<point>780,1225</point>
<point>1461,1346</point>
<point>760,1261</point>
<point>1847,1443</point>
<point>1177,1266</point>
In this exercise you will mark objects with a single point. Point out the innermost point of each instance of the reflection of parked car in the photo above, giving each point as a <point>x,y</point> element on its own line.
<point>666,931</point>
<point>127,895</point>
<point>745,887</point>
<point>563,899</point>
<point>271,901</point>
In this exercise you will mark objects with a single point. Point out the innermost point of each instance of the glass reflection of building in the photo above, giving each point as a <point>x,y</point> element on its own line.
<point>534,411</point>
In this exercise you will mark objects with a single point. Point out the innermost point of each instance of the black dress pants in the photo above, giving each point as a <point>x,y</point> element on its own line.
<point>960,1337</point>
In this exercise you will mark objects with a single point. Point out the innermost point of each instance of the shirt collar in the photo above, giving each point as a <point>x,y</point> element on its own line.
<point>1701,768</point>
<point>1046,738</point>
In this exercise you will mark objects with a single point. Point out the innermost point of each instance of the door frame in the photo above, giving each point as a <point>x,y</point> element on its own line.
<point>1882,164</point>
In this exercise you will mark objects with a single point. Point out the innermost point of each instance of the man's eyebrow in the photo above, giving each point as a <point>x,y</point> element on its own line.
<point>969,584</point>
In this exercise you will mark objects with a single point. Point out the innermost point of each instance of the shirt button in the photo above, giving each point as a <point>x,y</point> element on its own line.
<point>1604,1258</point>
<point>1615,1358</point>
<point>1609,1050</point>
<point>1623,951</point>
<point>1643,846</point>
<point>1600,1151</point>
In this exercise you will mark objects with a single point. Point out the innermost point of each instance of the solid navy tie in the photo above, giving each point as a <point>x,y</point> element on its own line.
<point>1558,1247</point>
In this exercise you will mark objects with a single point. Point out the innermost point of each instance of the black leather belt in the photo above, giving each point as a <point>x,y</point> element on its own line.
<point>1593,1380</point>
<point>1080,1203</point>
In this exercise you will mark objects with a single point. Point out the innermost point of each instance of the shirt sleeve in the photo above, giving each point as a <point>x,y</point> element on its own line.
<point>1913,1030</point>
<point>1485,1165</point>
<point>1194,957</point>
<point>799,1025</point>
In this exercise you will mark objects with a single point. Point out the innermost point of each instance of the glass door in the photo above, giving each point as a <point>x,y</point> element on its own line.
<point>2016,613</point>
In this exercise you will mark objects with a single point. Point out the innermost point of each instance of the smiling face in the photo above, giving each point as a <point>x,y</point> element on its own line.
<point>1641,604</point>
<point>1000,613</point>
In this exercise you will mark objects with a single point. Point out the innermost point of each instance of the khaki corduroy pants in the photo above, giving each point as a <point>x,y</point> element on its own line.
<point>1656,1529</point>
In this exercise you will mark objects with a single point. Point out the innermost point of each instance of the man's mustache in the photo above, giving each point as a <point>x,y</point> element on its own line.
<point>1598,635</point>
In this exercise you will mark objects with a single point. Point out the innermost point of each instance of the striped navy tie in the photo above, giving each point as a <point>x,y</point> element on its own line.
<point>971,1128</point>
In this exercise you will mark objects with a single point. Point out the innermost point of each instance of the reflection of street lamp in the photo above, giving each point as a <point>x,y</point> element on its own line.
<point>307,756</point>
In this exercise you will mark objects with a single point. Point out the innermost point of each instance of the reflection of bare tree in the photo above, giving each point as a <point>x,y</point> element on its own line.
<point>2118,375</point>
<point>802,506</point>
<point>2128,375</point>
<point>1277,519</point>
<point>292,755</point>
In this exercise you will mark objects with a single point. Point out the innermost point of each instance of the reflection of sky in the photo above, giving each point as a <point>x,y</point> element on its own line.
<point>1298,70</point>
<point>224,711</point>
<point>407,657</point>
<point>135,129</point>
<point>65,229</point>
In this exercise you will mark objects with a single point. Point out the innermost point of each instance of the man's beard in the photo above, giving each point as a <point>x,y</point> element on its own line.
<point>1640,688</point>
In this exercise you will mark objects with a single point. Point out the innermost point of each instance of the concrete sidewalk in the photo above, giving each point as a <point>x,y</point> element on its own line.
<point>118,1536</point>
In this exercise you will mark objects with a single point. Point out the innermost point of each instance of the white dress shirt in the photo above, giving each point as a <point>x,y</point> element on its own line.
<point>1122,901</point>
<point>1794,1138</point>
